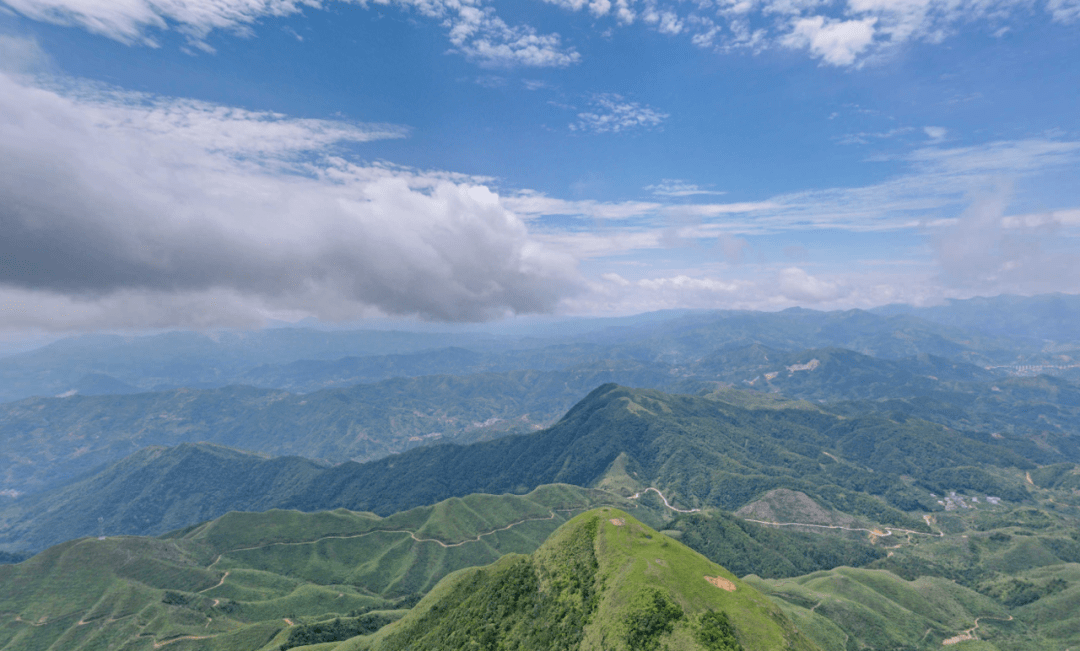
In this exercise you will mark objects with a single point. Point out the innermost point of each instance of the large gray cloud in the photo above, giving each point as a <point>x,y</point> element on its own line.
<point>155,208</point>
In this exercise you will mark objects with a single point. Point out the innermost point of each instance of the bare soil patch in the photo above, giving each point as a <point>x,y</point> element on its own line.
<point>721,583</point>
<point>618,522</point>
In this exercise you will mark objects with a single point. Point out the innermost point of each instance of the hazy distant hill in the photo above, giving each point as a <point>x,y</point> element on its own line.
<point>191,359</point>
<point>306,359</point>
<point>50,440</point>
<point>833,374</point>
<point>1047,317</point>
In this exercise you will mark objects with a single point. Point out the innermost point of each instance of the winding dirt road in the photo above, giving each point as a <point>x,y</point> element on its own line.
<point>666,503</point>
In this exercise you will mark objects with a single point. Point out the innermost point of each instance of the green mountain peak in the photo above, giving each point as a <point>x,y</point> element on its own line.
<point>602,581</point>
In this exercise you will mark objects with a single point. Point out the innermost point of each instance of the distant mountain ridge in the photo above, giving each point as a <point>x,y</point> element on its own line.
<point>1041,318</point>
<point>64,437</point>
<point>272,357</point>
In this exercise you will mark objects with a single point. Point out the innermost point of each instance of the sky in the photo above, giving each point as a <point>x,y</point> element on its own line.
<point>222,163</point>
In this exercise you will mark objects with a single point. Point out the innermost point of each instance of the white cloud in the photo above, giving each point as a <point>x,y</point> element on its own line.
<point>835,42</point>
<point>615,278</point>
<point>669,23</point>
<point>797,285</point>
<point>986,250</point>
<point>213,127</point>
<point>123,210</point>
<point>596,7</point>
<point>684,283</point>
<point>1064,11</point>
<point>866,137</point>
<point>532,204</point>
<point>20,55</point>
<point>130,20</point>
<point>613,113</point>
<point>732,247</point>
<point>717,209</point>
<point>535,84</point>
<point>844,33</point>
<point>936,133</point>
<point>677,188</point>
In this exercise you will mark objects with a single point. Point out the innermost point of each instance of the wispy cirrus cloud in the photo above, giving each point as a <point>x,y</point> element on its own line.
<point>532,204</point>
<point>931,197</point>
<point>677,188</point>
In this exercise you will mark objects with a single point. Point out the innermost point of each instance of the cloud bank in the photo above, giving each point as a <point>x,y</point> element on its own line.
<point>128,210</point>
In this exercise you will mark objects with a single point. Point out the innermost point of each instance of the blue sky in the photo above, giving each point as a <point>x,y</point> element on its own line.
<point>219,162</point>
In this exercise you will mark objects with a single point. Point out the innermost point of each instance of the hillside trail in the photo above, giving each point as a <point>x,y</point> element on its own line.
<point>216,585</point>
<point>888,531</point>
<point>877,532</point>
<point>158,645</point>
<point>969,634</point>
<point>551,516</point>
<point>666,503</point>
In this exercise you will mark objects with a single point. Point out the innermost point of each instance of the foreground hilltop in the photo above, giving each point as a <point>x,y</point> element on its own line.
<point>602,581</point>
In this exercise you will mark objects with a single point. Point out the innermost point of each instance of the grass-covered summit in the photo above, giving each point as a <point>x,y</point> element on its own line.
<point>602,581</point>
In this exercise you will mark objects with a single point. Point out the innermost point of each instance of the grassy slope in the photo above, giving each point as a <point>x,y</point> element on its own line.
<point>233,581</point>
<point>592,580</point>
<point>993,561</point>
<point>858,608</point>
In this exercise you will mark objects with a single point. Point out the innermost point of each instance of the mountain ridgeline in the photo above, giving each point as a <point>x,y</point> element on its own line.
<point>48,441</point>
<point>700,451</point>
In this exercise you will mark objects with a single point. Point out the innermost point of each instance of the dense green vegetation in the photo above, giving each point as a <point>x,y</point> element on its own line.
<point>521,603</point>
<point>645,626</point>
<point>715,632</point>
<point>335,630</point>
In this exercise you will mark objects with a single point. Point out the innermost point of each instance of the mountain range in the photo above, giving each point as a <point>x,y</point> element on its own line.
<point>901,478</point>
